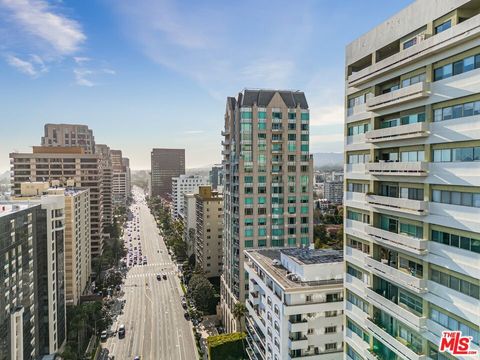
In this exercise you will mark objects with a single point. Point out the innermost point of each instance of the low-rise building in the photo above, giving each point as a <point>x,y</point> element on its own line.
<point>209,230</point>
<point>295,303</point>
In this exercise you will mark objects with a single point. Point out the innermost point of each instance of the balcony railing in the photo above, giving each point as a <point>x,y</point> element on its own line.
<point>298,326</point>
<point>418,168</point>
<point>410,131</point>
<point>298,343</point>
<point>397,276</point>
<point>399,241</point>
<point>417,207</point>
<point>413,92</point>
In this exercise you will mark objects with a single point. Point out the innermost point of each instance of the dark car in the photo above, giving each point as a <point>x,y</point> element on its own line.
<point>164,276</point>
<point>187,316</point>
<point>159,277</point>
<point>121,331</point>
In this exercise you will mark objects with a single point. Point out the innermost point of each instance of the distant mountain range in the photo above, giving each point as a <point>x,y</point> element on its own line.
<point>328,159</point>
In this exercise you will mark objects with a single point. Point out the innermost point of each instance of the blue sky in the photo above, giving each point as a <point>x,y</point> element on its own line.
<point>156,73</point>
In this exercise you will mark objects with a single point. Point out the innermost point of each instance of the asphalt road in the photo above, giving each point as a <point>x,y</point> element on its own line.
<point>153,315</point>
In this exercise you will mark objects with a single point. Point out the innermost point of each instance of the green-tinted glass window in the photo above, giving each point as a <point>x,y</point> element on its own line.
<point>262,158</point>
<point>304,147</point>
<point>262,200</point>
<point>262,136</point>
<point>246,127</point>
<point>248,222</point>
<point>276,115</point>
<point>292,209</point>
<point>292,147</point>
<point>292,199</point>
<point>305,241</point>
<point>262,221</point>
<point>276,147</point>
<point>277,221</point>
<point>246,114</point>
<point>262,114</point>
<point>248,232</point>
<point>262,126</point>
<point>262,243</point>
<point>304,210</point>
<point>292,241</point>
<point>292,137</point>
<point>262,231</point>
<point>304,180</point>
<point>248,201</point>
<point>292,116</point>
<point>248,243</point>
<point>304,137</point>
<point>305,116</point>
<point>277,211</point>
<point>248,179</point>
<point>304,199</point>
<point>262,179</point>
<point>279,242</point>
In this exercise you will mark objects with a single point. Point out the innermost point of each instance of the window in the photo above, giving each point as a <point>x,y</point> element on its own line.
<point>330,329</point>
<point>413,80</point>
<point>456,198</point>
<point>358,129</point>
<point>455,283</point>
<point>447,321</point>
<point>461,242</point>
<point>354,272</point>
<point>442,27</point>
<point>246,115</point>
<point>463,154</point>
<point>305,116</point>
<point>357,301</point>
<point>248,243</point>
<point>456,68</point>
<point>409,43</point>
<point>330,346</point>
<point>413,302</point>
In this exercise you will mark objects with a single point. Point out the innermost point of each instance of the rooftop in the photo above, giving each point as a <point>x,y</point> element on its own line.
<point>7,208</point>
<point>262,98</point>
<point>271,262</point>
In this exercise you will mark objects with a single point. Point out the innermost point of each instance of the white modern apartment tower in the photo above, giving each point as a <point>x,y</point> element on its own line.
<point>188,216</point>
<point>412,177</point>
<point>333,191</point>
<point>268,183</point>
<point>295,304</point>
<point>184,184</point>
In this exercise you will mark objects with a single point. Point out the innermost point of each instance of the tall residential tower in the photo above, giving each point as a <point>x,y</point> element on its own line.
<point>412,203</point>
<point>267,182</point>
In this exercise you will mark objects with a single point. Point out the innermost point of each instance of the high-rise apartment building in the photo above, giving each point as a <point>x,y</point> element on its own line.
<point>333,191</point>
<point>64,164</point>
<point>189,219</point>
<point>184,184</point>
<point>105,164</point>
<point>121,178</point>
<point>165,165</point>
<point>50,269</point>
<point>67,135</point>
<point>209,231</point>
<point>295,304</point>
<point>22,226</point>
<point>412,228</point>
<point>216,176</point>
<point>268,197</point>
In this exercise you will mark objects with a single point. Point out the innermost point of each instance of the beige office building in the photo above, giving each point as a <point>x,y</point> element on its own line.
<point>107,182</point>
<point>268,197</point>
<point>65,164</point>
<point>209,230</point>
<point>68,135</point>
<point>412,200</point>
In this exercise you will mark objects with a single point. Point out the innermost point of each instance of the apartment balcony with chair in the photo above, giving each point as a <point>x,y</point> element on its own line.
<point>397,241</point>
<point>413,92</point>
<point>402,132</point>
<point>416,207</point>
<point>396,168</point>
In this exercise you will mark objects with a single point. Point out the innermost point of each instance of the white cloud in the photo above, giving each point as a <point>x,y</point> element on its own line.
<point>326,142</point>
<point>326,115</point>
<point>32,67</point>
<point>81,77</point>
<point>40,21</point>
<point>81,59</point>
<point>190,132</point>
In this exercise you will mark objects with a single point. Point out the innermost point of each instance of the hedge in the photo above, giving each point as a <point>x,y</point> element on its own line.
<point>226,346</point>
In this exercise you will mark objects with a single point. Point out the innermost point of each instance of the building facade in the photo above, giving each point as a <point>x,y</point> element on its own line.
<point>333,191</point>
<point>216,176</point>
<point>208,232</point>
<point>165,165</point>
<point>184,184</point>
<point>268,197</point>
<point>67,135</point>
<point>121,178</point>
<point>20,226</point>
<point>295,304</point>
<point>107,182</point>
<point>65,164</point>
<point>412,230</point>
<point>189,219</point>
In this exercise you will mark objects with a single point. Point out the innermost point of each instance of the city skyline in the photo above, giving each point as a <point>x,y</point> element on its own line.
<point>120,67</point>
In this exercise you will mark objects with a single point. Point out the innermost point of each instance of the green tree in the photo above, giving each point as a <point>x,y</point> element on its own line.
<point>239,311</point>
<point>203,293</point>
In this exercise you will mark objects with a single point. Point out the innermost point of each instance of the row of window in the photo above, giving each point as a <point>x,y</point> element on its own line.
<point>452,324</point>
<point>358,158</point>
<point>463,154</point>
<point>457,111</point>
<point>461,242</point>
<point>358,129</point>
<point>304,241</point>
<point>455,283</point>
<point>275,115</point>
<point>458,67</point>
<point>456,198</point>
<point>403,120</point>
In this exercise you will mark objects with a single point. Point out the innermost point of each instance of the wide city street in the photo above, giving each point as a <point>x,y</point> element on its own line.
<point>155,327</point>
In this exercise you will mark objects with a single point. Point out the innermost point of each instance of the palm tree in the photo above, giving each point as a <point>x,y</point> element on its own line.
<point>239,311</point>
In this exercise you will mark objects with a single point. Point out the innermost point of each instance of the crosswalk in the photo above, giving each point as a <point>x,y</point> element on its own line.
<point>150,274</point>
<point>152,264</point>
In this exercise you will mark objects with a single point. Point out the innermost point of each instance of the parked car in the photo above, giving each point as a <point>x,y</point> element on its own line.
<point>164,276</point>
<point>121,331</point>
<point>103,336</point>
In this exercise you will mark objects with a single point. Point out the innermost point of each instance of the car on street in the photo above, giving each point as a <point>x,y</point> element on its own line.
<point>187,316</point>
<point>164,276</point>
<point>159,277</point>
<point>136,358</point>
<point>103,336</point>
<point>121,331</point>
